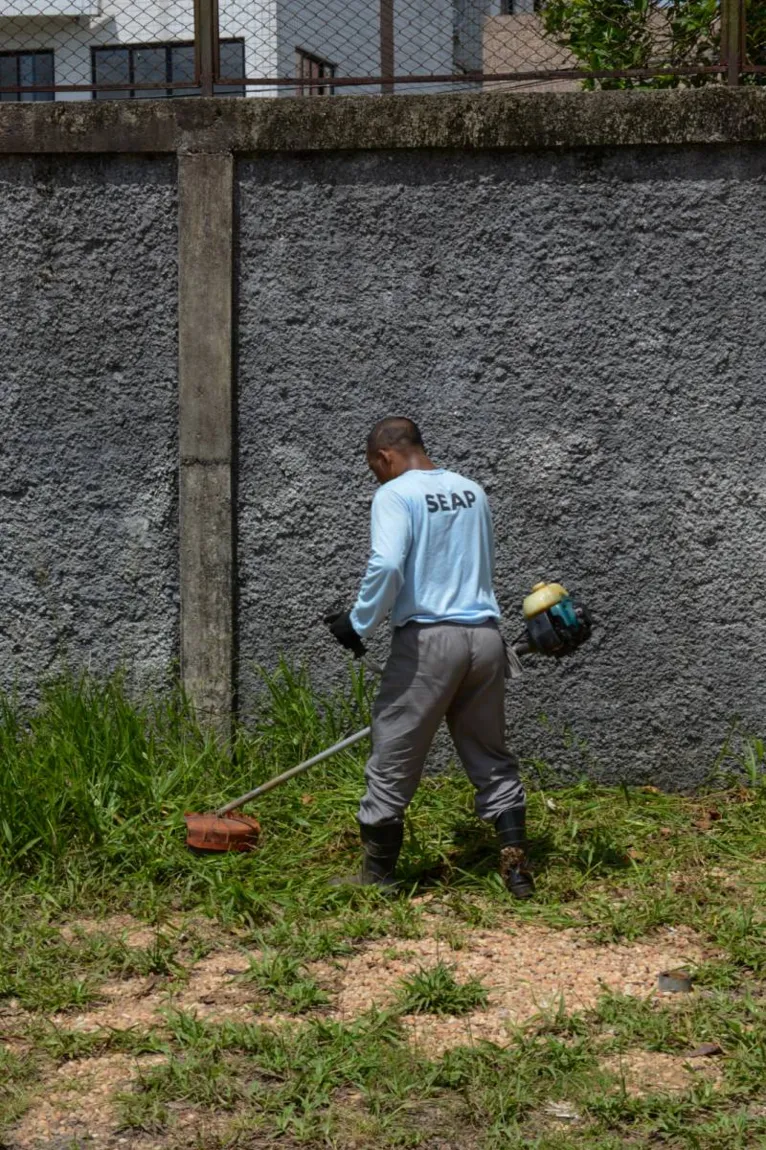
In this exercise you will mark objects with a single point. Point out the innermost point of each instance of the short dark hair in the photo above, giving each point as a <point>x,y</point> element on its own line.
<point>395,431</point>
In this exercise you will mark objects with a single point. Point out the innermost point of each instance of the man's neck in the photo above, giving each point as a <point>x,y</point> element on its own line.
<point>418,461</point>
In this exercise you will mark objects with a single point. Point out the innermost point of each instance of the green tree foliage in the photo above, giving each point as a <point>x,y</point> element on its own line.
<point>666,35</point>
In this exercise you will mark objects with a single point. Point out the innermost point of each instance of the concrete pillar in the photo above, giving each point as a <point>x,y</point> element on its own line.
<point>205,267</point>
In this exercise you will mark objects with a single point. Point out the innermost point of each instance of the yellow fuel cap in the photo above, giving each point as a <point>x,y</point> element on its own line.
<point>544,595</point>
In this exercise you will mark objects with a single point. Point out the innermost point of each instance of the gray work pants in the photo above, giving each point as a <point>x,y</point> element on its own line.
<point>437,671</point>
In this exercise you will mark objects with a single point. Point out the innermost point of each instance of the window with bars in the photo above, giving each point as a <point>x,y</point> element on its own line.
<point>136,65</point>
<point>313,73</point>
<point>25,70</point>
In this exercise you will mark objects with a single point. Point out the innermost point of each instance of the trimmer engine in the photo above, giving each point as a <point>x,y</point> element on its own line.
<point>556,624</point>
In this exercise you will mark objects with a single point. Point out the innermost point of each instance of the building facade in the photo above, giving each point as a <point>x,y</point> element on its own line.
<point>145,48</point>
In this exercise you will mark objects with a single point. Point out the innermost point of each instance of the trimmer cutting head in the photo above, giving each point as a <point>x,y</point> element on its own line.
<point>230,832</point>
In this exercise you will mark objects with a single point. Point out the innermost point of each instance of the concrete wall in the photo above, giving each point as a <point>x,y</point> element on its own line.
<point>581,333</point>
<point>88,507</point>
<point>565,290</point>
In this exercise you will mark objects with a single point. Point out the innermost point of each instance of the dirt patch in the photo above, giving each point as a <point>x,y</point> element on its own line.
<point>142,935</point>
<point>78,1104</point>
<point>647,1072</point>
<point>14,1019</point>
<point>527,970</point>
<point>212,990</point>
<point>122,926</point>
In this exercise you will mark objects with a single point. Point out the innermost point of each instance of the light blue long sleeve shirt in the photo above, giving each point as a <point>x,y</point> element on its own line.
<point>433,554</point>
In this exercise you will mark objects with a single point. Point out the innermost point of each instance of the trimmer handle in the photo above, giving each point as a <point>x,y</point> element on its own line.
<point>283,778</point>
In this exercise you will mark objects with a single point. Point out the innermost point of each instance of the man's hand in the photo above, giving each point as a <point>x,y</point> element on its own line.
<point>339,623</point>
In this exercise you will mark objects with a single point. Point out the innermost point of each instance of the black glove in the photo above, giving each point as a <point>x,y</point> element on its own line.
<point>339,623</point>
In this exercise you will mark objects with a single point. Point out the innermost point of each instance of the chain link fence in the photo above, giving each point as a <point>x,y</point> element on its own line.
<point>143,49</point>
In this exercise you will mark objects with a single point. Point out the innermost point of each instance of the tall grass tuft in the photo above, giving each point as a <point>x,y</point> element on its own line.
<point>93,779</point>
<point>87,768</point>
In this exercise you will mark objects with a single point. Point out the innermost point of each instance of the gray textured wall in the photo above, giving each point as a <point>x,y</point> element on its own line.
<point>581,332</point>
<point>88,549</point>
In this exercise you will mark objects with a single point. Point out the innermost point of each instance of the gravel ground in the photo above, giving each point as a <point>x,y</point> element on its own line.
<point>78,1106</point>
<point>527,970</point>
<point>647,1072</point>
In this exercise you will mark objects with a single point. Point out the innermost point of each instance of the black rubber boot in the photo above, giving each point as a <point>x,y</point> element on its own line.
<point>380,846</point>
<point>512,833</point>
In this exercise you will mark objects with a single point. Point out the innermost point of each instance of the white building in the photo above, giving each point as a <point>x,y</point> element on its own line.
<point>71,43</point>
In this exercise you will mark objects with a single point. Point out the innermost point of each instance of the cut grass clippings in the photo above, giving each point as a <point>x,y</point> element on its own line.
<point>93,788</point>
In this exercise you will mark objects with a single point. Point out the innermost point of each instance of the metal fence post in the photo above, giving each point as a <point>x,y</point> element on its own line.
<point>733,39</point>
<point>206,44</point>
<point>387,45</point>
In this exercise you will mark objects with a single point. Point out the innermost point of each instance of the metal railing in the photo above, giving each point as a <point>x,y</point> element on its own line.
<point>129,49</point>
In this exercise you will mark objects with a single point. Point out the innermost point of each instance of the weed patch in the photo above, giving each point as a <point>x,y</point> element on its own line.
<point>18,1072</point>
<point>283,980</point>
<point>436,991</point>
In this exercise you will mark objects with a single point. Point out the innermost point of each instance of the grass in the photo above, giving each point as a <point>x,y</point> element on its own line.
<point>43,970</point>
<point>436,991</point>
<point>17,1073</point>
<point>93,788</point>
<point>283,981</point>
<point>298,1082</point>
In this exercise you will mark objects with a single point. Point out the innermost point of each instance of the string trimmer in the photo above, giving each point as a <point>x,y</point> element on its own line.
<point>228,830</point>
<point>555,625</point>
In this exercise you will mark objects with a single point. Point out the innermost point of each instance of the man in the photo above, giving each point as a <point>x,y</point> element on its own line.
<point>431,567</point>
